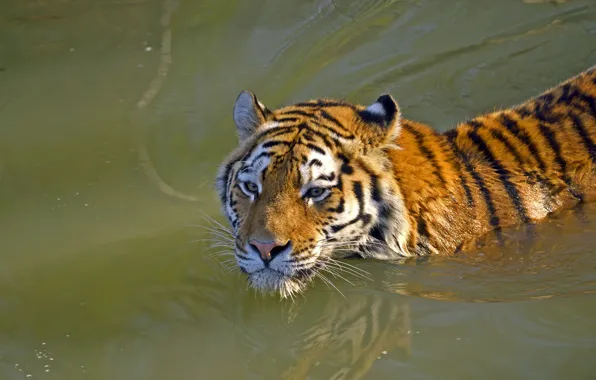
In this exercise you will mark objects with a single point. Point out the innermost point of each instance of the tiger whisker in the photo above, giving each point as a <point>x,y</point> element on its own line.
<point>355,242</point>
<point>336,261</point>
<point>221,253</point>
<point>229,266</point>
<point>333,272</point>
<point>220,244</point>
<point>218,232</point>
<point>361,243</point>
<point>348,272</point>
<point>215,236</point>
<point>212,228</point>
<point>328,282</point>
<point>212,221</point>
<point>212,240</point>
<point>222,236</point>
<point>357,272</point>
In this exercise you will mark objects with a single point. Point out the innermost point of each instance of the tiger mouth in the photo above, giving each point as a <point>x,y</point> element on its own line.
<point>269,280</point>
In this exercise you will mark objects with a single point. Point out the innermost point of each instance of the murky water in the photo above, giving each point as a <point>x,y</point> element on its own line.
<point>113,117</point>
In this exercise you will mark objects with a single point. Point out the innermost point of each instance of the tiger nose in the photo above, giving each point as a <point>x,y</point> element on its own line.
<point>269,250</point>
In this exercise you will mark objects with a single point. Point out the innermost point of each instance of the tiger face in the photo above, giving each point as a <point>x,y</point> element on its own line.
<point>309,183</point>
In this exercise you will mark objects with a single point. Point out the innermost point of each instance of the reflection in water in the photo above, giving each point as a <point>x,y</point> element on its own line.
<point>189,327</point>
<point>551,262</point>
<point>325,336</point>
<point>351,336</point>
<point>98,278</point>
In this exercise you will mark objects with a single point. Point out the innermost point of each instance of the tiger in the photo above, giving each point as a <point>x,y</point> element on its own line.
<point>324,179</point>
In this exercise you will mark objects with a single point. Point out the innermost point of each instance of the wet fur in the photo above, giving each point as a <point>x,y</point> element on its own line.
<point>401,188</point>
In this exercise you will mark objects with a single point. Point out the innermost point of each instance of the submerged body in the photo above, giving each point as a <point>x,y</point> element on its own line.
<point>321,179</point>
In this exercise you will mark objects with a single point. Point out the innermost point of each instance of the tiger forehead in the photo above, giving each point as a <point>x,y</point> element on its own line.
<point>316,110</point>
<point>321,132</point>
<point>320,104</point>
<point>302,158</point>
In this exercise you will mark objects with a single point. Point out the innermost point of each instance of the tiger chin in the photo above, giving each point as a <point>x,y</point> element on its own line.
<point>323,179</point>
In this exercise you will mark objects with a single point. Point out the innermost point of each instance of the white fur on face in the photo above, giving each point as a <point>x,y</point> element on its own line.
<point>254,165</point>
<point>284,273</point>
<point>320,170</point>
<point>279,275</point>
<point>283,263</point>
<point>249,170</point>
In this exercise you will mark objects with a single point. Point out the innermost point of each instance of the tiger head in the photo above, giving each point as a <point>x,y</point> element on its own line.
<point>309,183</point>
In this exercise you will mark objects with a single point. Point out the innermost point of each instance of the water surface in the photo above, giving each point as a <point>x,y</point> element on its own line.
<point>113,117</point>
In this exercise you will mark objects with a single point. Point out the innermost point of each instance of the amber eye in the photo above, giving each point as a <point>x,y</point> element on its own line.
<point>249,188</point>
<point>316,193</point>
<point>252,187</point>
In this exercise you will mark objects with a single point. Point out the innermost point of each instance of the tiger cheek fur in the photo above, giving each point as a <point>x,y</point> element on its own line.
<point>323,178</point>
<point>280,214</point>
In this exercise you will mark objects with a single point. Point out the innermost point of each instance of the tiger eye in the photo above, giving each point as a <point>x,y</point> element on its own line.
<point>252,187</point>
<point>315,192</point>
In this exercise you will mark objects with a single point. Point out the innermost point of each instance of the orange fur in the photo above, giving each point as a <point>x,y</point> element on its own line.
<point>418,191</point>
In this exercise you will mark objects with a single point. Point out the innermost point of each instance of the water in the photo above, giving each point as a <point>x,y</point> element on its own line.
<point>113,117</point>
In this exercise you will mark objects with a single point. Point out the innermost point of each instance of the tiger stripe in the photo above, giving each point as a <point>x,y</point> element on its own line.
<point>327,175</point>
<point>581,130</point>
<point>482,188</point>
<point>503,174</point>
<point>427,152</point>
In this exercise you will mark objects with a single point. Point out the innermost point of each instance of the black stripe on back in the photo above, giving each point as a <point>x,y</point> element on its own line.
<point>543,109</point>
<point>572,93</point>
<point>448,152</point>
<point>580,128</point>
<point>490,206</point>
<point>512,149</point>
<point>531,175</point>
<point>513,127</point>
<point>426,152</point>
<point>551,138</point>
<point>524,138</point>
<point>504,175</point>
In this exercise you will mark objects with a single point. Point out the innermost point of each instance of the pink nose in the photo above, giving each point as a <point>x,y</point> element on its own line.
<point>268,250</point>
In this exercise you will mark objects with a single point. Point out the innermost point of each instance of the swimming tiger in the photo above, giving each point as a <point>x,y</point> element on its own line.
<point>322,179</point>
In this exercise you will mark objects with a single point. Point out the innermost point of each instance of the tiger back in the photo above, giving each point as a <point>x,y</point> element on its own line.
<point>323,179</point>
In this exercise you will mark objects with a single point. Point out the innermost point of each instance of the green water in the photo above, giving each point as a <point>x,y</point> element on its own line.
<point>113,117</point>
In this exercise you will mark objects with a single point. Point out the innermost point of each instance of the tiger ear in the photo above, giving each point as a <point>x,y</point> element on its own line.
<point>249,114</point>
<point>384,113</point>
